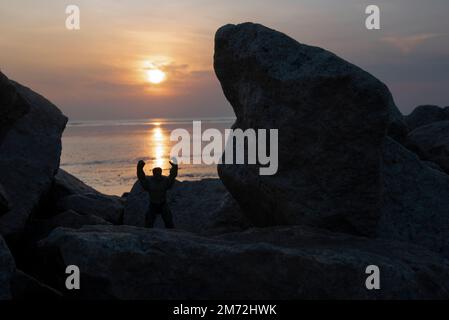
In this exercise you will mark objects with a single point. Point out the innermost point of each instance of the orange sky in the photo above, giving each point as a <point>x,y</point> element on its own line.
<point>99,72</point>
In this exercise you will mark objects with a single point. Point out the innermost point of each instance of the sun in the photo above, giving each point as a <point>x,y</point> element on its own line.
<point>155,76</point>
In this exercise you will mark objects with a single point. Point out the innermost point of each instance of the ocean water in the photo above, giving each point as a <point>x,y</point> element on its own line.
<point>104,154</point>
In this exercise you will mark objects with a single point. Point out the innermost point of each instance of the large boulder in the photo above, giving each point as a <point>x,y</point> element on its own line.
<point>7,271</point>
<point>109,208</point>
<point>426,114</point>
<point>25,287</point>
<point>197,206</point>
<point>30,148</point>
<point>271,263</point>
<point>69,194</point>
<point>332,118</point>
<point>41,228</point>
<point>431,143</point>
<point>415,202</point>
<point>136,205</point>
<point>12,105</point>
<point>66,184</point>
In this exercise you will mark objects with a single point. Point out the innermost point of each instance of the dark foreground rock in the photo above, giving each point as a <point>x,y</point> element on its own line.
<point>25,287</point>
<point>415,203</point>
<point>431,143</point>
<point>7,270</point>
<point>424,115</point>
<point>41,228</point>
<point>30,147</point>
<point>274,263</point>
<point>197,206</point>
<point>4,206</point>
<point>68,193</point>
<point>136,205</point>
<point>109,208</point>
<point>66,184</point>
<point>332,118</point>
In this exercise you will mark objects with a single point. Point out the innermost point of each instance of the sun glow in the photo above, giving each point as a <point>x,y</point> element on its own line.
<point>155,76</point>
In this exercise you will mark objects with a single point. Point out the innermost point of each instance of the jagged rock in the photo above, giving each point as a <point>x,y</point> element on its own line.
<point>433,165</point>
<point>431,143</point>
<point>25,287</point>
<point>332,118</point>
<point>30,147</point>
<point>415,202</point>
<point>197,206</point>
<point>423,115</point>
<point>271,263</point>
<point>136,205</point>
<point>66,184</point>
<point>12,105</point>
<point>74,220</point>
<point>227,218</point>
<point>68,193</point>
<point>7,270</point>
<point>39,229</point>
<point>109,208</point>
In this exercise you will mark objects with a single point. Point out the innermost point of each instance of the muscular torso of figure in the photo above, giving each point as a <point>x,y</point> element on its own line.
<point>157,189</point>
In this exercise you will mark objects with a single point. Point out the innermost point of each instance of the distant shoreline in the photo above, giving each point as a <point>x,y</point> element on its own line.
<point>147,121</point>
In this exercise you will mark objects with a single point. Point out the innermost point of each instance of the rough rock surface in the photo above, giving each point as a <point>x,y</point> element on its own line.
<point>69,193</point>
<point>25,287</point>
<point>136,206</point>
<point>197,206</point>
<point>7,270</point>
<point>431,143</point>
<point>272,263</point>
<point>30,147</point>
<point>67,184</point>
<point>4,207</point>
<point>12,105</point>
<point>332,118</point>
<point>109,208</point>
<point>423,115</point>
<point>39,229</point>
<point>416,203</point>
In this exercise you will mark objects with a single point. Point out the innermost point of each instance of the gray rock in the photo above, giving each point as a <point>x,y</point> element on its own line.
<point>271,263</point>
<point>7,270</point>
<point>433,165</point>
<point>25,287</point>
<point>332,118</point>
<point>426,114</point>
<point>70,194</point>
<point>415,203</point>
<point>431,143</point>
<point>197,206</point>
<point>228,217</point>
<point>67,184</point>
<point>109,208</point>
<point>74,220</point>
<point>12,105</point>
<point>136,205</point>
<point>41,228</point>
<point>30,148</point>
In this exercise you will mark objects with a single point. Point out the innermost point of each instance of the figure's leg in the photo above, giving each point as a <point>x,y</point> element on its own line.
<point>167,217</point>
<point>150,217</point>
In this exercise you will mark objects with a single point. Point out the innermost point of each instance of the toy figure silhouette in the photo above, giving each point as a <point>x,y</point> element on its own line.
<point>157,186</point>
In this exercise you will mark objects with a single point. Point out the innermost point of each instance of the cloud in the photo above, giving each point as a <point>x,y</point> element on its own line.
<point>407,44</point>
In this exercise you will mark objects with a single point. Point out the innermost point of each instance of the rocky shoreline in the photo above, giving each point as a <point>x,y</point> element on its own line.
<point>358,185</point>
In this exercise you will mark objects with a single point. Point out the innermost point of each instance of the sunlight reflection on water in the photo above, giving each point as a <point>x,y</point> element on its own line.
<point>104,154</point>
